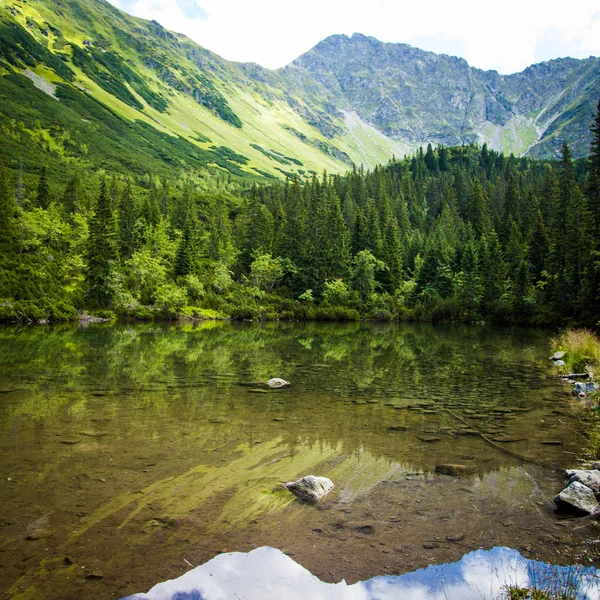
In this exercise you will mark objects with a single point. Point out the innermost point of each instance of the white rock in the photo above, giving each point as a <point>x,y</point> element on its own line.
<point>589,478</point>
<point>277,382</point>
<point>577,498</point>
<point>310,488</point>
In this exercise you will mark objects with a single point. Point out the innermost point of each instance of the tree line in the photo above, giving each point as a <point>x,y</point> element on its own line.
<point>457,234</point>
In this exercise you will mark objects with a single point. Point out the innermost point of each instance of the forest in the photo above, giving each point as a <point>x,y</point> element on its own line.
<point>448,234</point>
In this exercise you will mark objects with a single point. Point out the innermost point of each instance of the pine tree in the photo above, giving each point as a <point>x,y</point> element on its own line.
<point>494,270</point>
<point>102,252</point>
<point>392,254</point>
<point>539,246</point>
<point>431,161</point>
<point>72,199</point>
<point>42,197</point>
<point>184,259</point>
<point>512,205</point>
<point>127,221</point>
<point>478,212</point>
<point>593,187</point>
<point>8,209</point>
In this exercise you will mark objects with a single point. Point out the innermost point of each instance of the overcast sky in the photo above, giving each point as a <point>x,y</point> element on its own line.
<point>506,35</point>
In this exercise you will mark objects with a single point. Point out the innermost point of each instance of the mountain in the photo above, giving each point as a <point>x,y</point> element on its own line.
<point>420,97</point>
<point>82,82</point>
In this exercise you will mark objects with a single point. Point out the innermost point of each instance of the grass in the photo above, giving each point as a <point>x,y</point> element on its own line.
<point>582,348</point>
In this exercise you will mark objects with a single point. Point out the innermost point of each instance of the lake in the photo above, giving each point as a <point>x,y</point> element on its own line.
<point>131,453</point>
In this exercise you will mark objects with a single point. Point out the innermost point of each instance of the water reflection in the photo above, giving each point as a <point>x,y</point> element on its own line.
<point>268,574</point>
<point>116,439</point>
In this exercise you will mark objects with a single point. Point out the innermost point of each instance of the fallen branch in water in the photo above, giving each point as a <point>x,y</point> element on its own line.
<point>499,447</point>
<point>575,376</point>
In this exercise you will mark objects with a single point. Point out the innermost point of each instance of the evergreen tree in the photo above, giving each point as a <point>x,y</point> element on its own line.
<point>102,252</point>
<point>593,186</point>
<point>185,257</point>
<point>8,209</point>
<point>42,197</point>
<point>392,255</point>
<point>494,270</point>
<point>73,199</point>
<point>127,222</point>
<point>478,212</point>
<point>539,246</point>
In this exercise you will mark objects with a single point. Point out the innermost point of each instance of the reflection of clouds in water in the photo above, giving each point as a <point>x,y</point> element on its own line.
<point>490,572</point>
<point>268,574</point>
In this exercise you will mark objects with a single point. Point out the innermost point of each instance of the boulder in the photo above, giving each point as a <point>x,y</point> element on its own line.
<point>277,382</point>
<point>589,478</point>
<point>310,488</point>
<point>583,389</point>
<point>577,498</point>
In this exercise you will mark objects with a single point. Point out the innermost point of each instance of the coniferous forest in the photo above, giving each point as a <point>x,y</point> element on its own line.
<point>448,234</point>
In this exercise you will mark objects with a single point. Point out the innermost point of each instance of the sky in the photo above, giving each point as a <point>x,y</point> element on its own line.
<point>505,35</point>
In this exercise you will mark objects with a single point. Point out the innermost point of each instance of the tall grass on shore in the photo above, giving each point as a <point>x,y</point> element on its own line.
<point>582,348</point>
<point>582,353</point>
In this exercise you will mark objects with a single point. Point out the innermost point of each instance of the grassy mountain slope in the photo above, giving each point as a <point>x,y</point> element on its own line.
<point>82,82</point>
<point>144,81</point>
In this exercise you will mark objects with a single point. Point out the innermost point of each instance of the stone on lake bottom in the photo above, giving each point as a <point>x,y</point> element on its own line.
<point>277,382</point>
<point>310,488</point>
<point>577,498</point>
<point>454,470</point>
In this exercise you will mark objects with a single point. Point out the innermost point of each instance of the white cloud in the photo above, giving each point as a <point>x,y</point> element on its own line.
<point>506,36</point>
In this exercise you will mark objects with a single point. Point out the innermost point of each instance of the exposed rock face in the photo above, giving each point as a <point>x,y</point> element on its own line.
<point>577,498</point>
<point>310,488</point>
<point>418,96</point>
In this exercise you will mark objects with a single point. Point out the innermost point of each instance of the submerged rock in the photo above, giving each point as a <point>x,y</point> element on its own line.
<point>588,477</point>
<point>277,382</point>
<point>310,488</point>
<point>577,498</point>
<point>454,470</point>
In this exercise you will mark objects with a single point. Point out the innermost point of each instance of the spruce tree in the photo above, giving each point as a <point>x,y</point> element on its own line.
<point>102,252</point>
<point>127,221</point>
<point>8,209</point>
<point>42,197</point>
<point>184,259</point>
<point>593,186</point>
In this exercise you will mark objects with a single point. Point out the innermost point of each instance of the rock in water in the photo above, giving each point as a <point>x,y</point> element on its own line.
<point>277,382</point>
<point>310,488</point>
<point>577,498</point>
<point>454,470</point>
<point>589,478</point>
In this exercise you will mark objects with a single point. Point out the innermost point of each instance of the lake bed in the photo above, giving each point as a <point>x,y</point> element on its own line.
<point>132,452</point>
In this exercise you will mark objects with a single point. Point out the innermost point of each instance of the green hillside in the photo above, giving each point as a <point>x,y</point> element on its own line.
<point>76,71</point>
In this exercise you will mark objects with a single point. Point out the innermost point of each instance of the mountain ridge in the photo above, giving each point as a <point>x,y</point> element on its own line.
<point>348,100</point>
<point>489,100</point>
